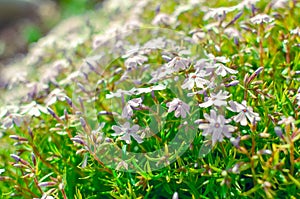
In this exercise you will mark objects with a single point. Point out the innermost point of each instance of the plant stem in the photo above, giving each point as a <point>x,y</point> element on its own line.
<point>261,49</point>
<point>223,150</point>
<point>37,184</point>
<point>252,160</point>
<point>64,193</point>
<point>292,157</point>
<point>36,152</point>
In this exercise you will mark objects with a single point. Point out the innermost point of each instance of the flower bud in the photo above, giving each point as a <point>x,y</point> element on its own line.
<point>78,140</point>
<point>30,132</point>
<point>69,101</point>
<point>278,131</point>
<point>47,184</point>
<point>255,74</point>
<point>175,195</point>
<point>18,138</point>
<point>53,114</point>
<point>233,83</point>
<point>18,159</point>
<point>33,159</point>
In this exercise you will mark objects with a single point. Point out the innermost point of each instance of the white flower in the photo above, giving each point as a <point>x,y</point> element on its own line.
<point>296,31</point>
<point>56,94</point>
<point>123,164</point>
<point>280,3</point>
<point>178,63</point>
<point>15,78</point>
<point>261,18</point>
<point>163,19</point>
<point>4,111</point>
<point>221,69</point>
<point>179,107</point>
<point>216,128</point>
<point>160,73</point>
<point>198,36</point>
<point>33,109</point>
<point>246,4</point>
<point>201,92</point>
<point>218,99</point>
<point>70,78</point>
<point>156,43</point>
<point>97,135</point>
<point>128,109</point>
<point>212,63</point>
<point>12,119</point>
<point>232,32</point>
<point>60,64</point>
<point>201,65</point>
<point>132,24</point>
<point>244,112</point>
<point>181,9</point>
<point>34,88</point>
<point>119,93</point>
<point>218,13</point>
<point>46,197</point>
<point>195,78</point>
<point>215,59</point>
<point>150,89</point>
<point>126,132</point>
<point>135,61</point>
<point>100,40</point>
<point>288,121</point>
<point>298,99</point>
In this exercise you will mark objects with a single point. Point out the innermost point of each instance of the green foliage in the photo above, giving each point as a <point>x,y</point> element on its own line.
<point>32,33</point>
<point>75,7</point>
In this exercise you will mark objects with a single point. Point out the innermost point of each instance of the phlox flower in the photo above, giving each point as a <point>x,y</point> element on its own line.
<point>180,107</point>
<point>216,128</point>
<point>244,112</point>
<point>126,132</point>
<point>218,99</point>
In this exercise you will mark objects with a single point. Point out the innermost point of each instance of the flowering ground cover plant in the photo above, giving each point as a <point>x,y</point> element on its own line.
<point>189,99</point>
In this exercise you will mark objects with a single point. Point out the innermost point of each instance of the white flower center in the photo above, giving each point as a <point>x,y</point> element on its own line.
<point>217,125</point>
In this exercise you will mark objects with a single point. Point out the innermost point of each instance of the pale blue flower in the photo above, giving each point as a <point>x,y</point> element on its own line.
<point>12,119</point>
<point>195,79</point>
<point>217,128</point>
<point>149,89</point>
<point>126,132</point>
<point>218,99</point>
<point>261,18</point>
<point>135,61</point>
<point>128,109</point>
<point>298,99</point>
<point>119,93</point>
<point>33,109</point>
<point>180,108</point>
<point>178,63</point>
<point>163,19</point>
<point>244,112</point>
